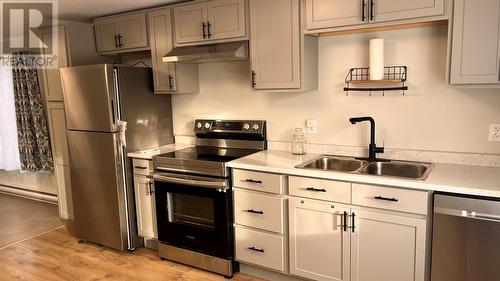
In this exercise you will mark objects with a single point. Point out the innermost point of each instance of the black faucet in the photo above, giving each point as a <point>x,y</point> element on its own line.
<point>372,148</point>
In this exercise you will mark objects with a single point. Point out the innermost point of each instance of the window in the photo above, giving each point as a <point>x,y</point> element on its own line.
<point>9,151</point>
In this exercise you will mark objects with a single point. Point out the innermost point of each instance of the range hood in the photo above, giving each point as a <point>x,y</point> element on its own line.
<point>209,53</point>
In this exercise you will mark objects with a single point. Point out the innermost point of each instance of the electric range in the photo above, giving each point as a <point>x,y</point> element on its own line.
<point>193,193</point>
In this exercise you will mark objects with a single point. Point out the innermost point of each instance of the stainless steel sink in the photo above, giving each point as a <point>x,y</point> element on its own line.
<point>388,168</point>
<point>334,163</point>
<point>400,169</point>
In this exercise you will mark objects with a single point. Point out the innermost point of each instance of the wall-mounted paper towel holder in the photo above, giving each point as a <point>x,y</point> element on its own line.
<point>358,79</point>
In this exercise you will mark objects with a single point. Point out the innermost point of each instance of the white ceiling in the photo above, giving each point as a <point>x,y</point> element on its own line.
<point>84,10</point>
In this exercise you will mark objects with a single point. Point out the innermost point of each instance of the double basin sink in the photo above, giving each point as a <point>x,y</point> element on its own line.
<point>389,168</point>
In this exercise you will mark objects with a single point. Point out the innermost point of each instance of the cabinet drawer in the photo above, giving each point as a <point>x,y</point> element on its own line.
<point>403,200</point>
<point>258,210</point>
<point>260,248</point>
<point>327,190</point>
<point>142,166</point>
<point>258,181</point>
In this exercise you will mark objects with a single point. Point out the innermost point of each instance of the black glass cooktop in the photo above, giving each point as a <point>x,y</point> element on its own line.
<point>207,153</point>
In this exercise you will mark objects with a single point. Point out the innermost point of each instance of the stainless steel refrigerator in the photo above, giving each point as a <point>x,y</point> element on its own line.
<point>96,99</point>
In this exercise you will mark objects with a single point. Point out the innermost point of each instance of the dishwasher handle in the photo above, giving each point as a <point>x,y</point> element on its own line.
<point>467,214</point>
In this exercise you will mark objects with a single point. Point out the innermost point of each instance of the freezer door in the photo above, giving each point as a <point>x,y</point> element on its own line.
<point>148,116</point>
<point>97,183</point>
<point>89,98</point>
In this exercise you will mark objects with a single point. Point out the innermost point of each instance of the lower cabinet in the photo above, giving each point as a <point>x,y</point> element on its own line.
<point>145,206</point>
<point>260,248</point>
<point>363,238</point>
<point>387,247</point>
<point>319,245</point>
<point>336,242</point>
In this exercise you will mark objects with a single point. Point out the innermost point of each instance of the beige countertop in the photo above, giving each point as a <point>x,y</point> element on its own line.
<point>149,153</point>
<point>464,179</point>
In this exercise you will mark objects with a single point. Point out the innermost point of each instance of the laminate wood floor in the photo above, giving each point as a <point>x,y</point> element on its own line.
<point>22,218</point>
<point>57,255</point>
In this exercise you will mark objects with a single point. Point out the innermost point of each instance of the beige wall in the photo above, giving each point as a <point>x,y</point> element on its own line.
<point>432,116</point>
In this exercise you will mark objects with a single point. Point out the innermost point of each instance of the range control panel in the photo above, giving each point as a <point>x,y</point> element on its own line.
<point>229,126</point>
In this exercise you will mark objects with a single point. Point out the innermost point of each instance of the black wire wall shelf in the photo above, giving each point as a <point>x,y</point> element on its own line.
<point>358,80</point>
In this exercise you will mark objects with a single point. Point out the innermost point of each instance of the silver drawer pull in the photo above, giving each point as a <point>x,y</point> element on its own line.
<point>256,249</point>
<point>255,212</point>
<point>386,198</point>
<point>140,167</point>
<point>316,189</point>
<point>253,181</point>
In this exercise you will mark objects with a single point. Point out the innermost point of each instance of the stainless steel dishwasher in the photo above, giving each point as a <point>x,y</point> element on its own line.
<point>466,239</point>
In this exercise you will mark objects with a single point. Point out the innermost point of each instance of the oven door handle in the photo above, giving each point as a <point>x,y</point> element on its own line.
<point>194,182</point>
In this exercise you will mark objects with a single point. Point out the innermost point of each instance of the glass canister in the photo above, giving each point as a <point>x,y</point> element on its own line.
<point>298,142</point>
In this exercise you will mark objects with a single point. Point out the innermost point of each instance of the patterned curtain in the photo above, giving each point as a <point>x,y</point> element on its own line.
<point>32,133</point>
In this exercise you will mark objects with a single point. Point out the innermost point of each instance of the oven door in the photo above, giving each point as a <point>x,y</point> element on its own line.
<point>194,213</point>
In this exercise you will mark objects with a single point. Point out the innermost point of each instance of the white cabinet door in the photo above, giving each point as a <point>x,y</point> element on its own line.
<point>106,32</point>
<point>133,31</point>
<point>226,19</point>
<point>168,77</point>
<point>388,10</point>
<point>387,247</point>
<point>475,49</point>
<point>161,37</point>
<point>190,23</point>
<point>275,45</point>
<point>319,246</point>
<point>145,207</point>
<point>119,33</point>
<point>50,77</point>
<point>57,125</point>
<point>59,143</point>
<point>335,13</point>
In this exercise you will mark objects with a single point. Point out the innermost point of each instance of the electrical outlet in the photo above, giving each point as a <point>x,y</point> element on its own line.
<point>494,135</point>
<point>312,126</point>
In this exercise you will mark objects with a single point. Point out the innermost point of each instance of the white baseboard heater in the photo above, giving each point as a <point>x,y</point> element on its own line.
<point>30,194</point>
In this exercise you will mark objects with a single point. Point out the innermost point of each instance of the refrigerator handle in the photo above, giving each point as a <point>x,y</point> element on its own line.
<point>113,111</point>
<point>115,100</point>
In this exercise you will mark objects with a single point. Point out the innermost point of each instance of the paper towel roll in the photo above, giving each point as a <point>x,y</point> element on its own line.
<point>376,59</point>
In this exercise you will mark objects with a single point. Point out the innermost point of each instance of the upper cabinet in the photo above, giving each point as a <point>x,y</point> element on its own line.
<point>168,77</point>
<point>190,23</point>
<point>124,33</point>
<point>281,57</point>
<point>50,76</point>
<point>226,19</point>
<point>475,42</point>
<point>331,14</point>
<point>391,10</point>
<point>206,22</point>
